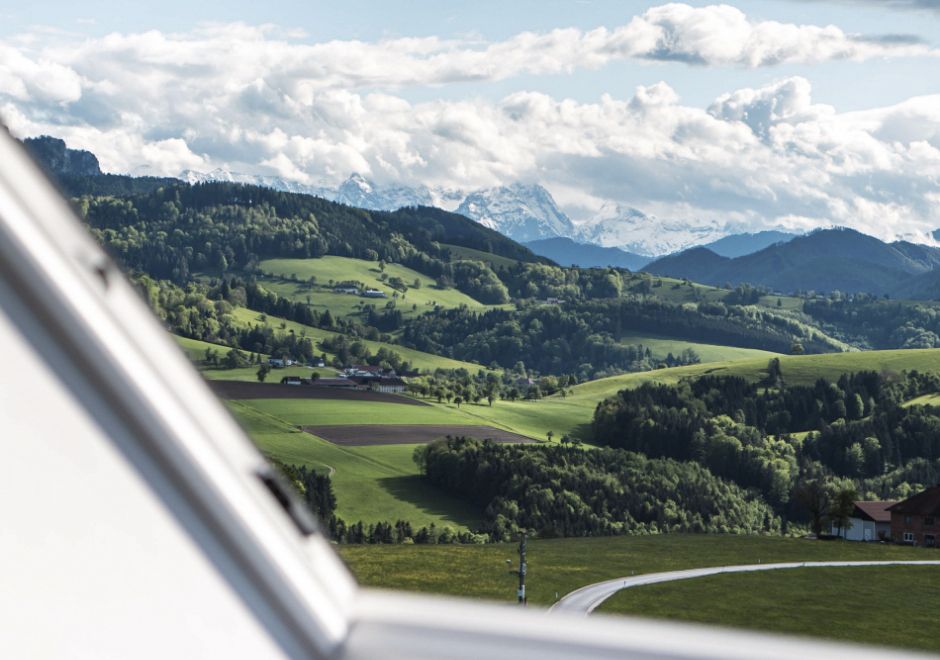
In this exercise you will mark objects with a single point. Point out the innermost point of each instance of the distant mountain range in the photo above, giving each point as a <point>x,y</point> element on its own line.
<point>527,212</point>
<point>825,260</point>
<point>567,252</point>
<point>523,212</point>
<point>738,245</point>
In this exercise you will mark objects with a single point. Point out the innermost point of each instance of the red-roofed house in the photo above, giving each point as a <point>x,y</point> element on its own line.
<point>915,520</point>
<point>870,521</point>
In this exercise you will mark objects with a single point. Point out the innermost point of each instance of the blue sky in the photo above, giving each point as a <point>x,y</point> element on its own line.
<point>789,114</point>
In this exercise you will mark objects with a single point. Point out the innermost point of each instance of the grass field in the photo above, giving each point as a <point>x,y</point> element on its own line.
<point>573,413</point>
<point>563,565</point>
<point>662,346</point>
<point>327,412</point>
<point>889,606</point>
<point>372,484</point>
<point>196,351</point>
<point>340,269</point>
<point>461,252</point>
<point>924,400</point>
<point>366,494</point>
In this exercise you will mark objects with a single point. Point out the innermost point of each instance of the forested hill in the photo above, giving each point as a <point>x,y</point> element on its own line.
<point>176,229</point>
<point>823,261</point>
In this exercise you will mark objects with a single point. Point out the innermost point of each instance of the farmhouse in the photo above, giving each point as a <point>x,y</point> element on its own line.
<point>374,293</point>
<point>367,370</point>
<point>915,519</point>
<point>280,363</point>
<point>348,290</point>
<point>870,521</point>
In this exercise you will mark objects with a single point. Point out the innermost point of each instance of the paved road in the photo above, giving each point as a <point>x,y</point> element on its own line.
<point>586,599</point>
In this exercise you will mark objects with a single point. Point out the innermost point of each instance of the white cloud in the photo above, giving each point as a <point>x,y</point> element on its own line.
<point>238,96</point>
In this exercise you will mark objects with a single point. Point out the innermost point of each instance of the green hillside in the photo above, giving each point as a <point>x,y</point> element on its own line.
<point>461,252</point>
<point>563,565</point>
<point>802,601</point>
<point>418,359</point>
<point>291,278</point>
<point>196,351</point>
<point>662,346</point>
<point>372,484</point>
<point>573,413</point>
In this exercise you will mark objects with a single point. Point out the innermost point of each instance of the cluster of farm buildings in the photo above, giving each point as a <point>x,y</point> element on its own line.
<point>356,291</point>
<point>914,521</point>
<point>359,377</point>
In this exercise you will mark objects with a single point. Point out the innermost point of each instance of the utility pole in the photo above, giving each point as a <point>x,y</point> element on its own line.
<point>522,570</point>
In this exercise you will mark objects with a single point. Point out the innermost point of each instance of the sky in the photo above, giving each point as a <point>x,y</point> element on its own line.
<point>788,114</point>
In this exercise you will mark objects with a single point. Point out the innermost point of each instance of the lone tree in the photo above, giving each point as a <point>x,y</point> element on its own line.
<point>842,507</point>
<point>814,496</point>
<point>458,400</point>
<point>263,372</point>
<point>550,435</point>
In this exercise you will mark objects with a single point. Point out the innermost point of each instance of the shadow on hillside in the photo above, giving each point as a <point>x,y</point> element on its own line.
<point>430,499</point>
<point>582,432</point>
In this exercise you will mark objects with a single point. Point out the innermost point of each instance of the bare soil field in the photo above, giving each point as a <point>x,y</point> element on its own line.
<point>403,434</point>
<point>236,389</point>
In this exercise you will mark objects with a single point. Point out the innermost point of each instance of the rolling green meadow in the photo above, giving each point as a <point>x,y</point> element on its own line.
<point>662,346</point>
<point>280,277</point>
<point>563,565</point>
<point>885,605</point>
<point>362,486</point>
<point>372,483</point>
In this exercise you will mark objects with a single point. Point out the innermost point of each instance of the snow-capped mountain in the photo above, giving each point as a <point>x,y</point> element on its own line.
<point>522,212</point>
<point>634,231</point>
<point>360,192</point>
<point>275,182</point>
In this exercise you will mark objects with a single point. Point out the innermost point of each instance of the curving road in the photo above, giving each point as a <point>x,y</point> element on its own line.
<point>586,599</point>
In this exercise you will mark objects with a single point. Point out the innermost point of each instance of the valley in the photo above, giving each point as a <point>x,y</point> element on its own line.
<point>454,389</point>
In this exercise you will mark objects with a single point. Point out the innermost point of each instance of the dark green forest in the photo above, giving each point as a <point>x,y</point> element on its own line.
<point>773,438</point>
<point>567,491</point>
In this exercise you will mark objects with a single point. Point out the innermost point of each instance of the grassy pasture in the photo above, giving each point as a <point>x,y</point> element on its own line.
<point>888,606</point>
<point>196,351</point>
<point>339,269</point>
<point>662,346</point>
<point>372,484</point>
<point>573,413</point>
<point>924,400</point>
<point>563,565</point>
<point>329,412</point>
<point>461,252</point>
